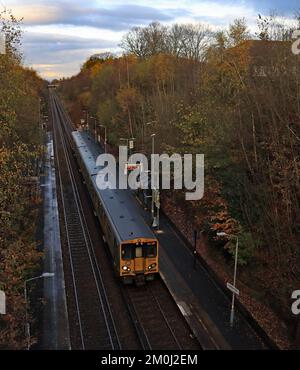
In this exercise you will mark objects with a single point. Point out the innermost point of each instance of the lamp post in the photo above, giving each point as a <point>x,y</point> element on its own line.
<point>87,118</point>
<point>129,143</point>
<point>2,303</point>
<point>27,324</point>
<point>40,101</point>
<point>124,139</point>
<point>143,131</point>
<point>234,274</point>
<point>95,127</point>
<point>105,136</point>
<point>298,333</point>
<point>153,177</point>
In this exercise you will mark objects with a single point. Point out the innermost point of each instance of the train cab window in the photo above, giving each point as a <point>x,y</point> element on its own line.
<point>126,252</point>
<point>151,249</point>
<point>138,252</point>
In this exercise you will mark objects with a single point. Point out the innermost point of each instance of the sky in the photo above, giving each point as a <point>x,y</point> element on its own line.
<point>59,35</point>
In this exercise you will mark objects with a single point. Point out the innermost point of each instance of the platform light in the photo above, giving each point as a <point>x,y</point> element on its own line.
<point>234,274</point>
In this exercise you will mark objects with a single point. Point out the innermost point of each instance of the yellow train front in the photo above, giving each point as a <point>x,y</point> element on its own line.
<point>138,260</point>
<point>132,244</point>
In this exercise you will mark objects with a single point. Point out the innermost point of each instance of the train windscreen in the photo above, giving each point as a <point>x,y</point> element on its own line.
<point>151,249</point>
<point>138,250</point>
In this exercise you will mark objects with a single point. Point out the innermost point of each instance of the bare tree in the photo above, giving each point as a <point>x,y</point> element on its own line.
<point>188,40</point>
<point>175,39</point>
<point>155,38</point>
<point>133,42</point>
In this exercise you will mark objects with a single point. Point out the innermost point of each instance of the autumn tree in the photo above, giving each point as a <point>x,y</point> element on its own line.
<point>238,31</point>
<point>20,149</point>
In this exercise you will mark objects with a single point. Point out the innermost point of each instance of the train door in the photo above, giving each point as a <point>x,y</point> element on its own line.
<point>138,259</point>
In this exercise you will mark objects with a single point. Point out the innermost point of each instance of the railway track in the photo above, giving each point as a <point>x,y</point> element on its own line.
<point>96,328</point>
<point>156,318</point>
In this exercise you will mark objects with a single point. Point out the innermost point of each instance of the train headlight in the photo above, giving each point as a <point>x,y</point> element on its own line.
<point>126,268</point>
<point>152,266</point>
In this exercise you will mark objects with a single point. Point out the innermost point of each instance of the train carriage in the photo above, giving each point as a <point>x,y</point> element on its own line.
<point>132,244</point>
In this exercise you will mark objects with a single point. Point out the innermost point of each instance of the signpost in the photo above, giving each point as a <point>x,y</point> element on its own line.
<point>2,303</point>
<point>233,289</point>
<point>156,198</point>
<point>195,241</point>
<point>156,201</point>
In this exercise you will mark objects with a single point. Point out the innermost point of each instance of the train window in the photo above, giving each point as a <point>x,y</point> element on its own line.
<point>138,252</point>
<point>151,249</point>
<point>126,252</point>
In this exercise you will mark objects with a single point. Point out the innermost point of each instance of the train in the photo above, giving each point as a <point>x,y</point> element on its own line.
<point>133,246</point>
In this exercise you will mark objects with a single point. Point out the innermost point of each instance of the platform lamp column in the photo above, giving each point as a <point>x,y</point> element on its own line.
<point>95,128</point>
<point>40,100</point>
<point>157,208</point>
<point>86,118</point>
<point>105,136</point>
<point>152,175</point>
<point>143,131</point>
<point>195,235</point>
<point>298,333</point>
<point>234,280</point>
<point>234,274</point>
<point>27,324</point>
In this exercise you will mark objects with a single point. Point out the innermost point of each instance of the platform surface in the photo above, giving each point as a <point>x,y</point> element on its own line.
<point>55,320</point>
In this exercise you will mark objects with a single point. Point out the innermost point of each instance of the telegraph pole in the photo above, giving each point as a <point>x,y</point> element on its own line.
<point>297,338</point>
<point>152,177</point>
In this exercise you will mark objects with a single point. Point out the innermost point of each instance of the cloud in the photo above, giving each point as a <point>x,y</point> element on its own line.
<point>61,34</point>
<point>54,55</point>
<point>120,17</point>
<point>57,42</point>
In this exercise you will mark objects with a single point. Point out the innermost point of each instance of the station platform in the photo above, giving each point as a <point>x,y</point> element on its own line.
<point>55,315</point>
<point>199,322</point>
<point>189,282</point>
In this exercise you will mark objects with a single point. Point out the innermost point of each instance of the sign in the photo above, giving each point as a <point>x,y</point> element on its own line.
<point>133,166</point>
<point>233,289</point>
<point>156,198</point>
<point>2,303</point>
<point>130,144</point>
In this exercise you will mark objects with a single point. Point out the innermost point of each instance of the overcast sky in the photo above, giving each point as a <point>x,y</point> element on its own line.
<point>61,34</point>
